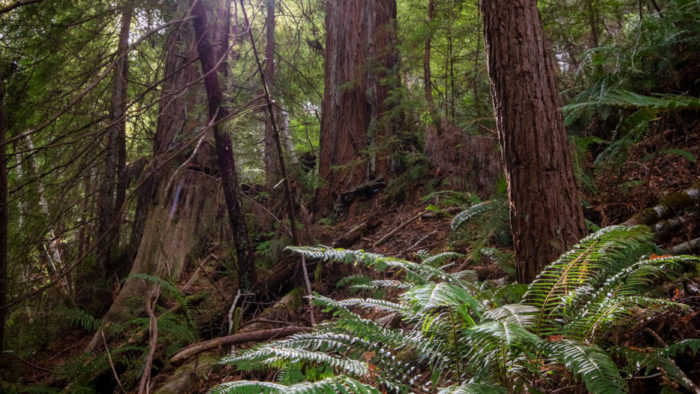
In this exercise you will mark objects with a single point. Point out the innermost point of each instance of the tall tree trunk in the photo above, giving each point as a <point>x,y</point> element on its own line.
<point>593,23</point>
<point>427,77</point>
<point>112,187</point>
<point>208,57</point>
<point>3,218</point>
<point>360,67</point>
<point>546,215</point>
<point>272,174</point>
<point>178,211</point>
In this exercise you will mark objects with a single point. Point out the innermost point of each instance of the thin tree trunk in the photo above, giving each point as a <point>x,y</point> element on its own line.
<point>593,23</point>
<point>52,253</point>
<point>224,152</point>
<point>287,139</point>
<point>427,75</point>
<point>112,187</point>
<point>272,173</point>
<point>477,54</point>
<point>546,215</point>
<point>3,218</point>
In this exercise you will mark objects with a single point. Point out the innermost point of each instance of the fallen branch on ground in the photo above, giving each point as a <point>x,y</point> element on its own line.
<point>235,339</point>
<point>399,227</point>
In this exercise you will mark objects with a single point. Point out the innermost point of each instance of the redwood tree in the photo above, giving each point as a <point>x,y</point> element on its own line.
<point>545,214</point>
<point>360,65</point>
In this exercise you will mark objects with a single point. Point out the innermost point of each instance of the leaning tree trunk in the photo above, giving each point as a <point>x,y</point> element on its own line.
<point>205,32</point>
<point>182,210</point>
<point>546,215</point>
<point>360,66</point>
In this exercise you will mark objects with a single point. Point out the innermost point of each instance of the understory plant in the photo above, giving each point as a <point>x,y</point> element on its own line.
<point>445,332</point>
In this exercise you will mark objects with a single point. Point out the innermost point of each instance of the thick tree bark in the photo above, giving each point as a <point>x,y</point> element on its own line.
<point>546,215</point>
<point>112,188</point>
<point>360,66</point>
<point>427,76</point>
<point>172,222</point>
<point>224,152</point>
<point>3,218</point>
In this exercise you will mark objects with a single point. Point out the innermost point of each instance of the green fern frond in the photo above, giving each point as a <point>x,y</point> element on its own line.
<point>589,362</point>
<point>336,384</point>
<point>462,218</point>
<point>517,314</point>
<point>381,284</point>
<point>440,258</point>
<point>584,265</point>
<point>627,98</point>
<point>274,356</point>
<point>169,288</point>
<point>415,272</point>
<point>692,345</point>
<point>435,295</point>
<point>473,388</point>
<point>647,361</point>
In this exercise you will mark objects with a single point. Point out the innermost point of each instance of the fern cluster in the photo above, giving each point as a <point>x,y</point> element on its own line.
<point>460,336</point>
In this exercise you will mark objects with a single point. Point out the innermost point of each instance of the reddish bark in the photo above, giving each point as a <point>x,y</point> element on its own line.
<point>427,78</point>
<point>546,215</point>
<point>209,57</point>
<point>360,66</point>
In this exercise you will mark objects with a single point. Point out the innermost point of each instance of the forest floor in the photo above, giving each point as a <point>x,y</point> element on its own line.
<point>402,229</point>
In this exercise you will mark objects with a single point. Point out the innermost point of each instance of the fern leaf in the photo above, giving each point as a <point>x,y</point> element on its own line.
<point>473,388</point>
<point>518,314</point>
<point>336,384</point>
<point>584,265</point>
<point>593,365</point>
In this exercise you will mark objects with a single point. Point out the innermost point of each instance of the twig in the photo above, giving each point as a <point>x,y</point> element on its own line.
<point>268,321</point>
<point>254,336</point>
<point>37,367</point>
<point>280,157</point>
<point>399,227</point>
<point>111,364</point>
<point>232,309</point>
<point>209,277</point>
<point>309,293</point>
<point>153,342</point>
<point>656,336</point>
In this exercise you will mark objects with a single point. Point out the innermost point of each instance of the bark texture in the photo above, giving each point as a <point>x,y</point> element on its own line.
<point>427,75</point>
<point>179,220</point>
<point>3,218</point>
<point>360,65</point>
<point>546,216</point>
<point>112,189</point>
<point>206,34</point>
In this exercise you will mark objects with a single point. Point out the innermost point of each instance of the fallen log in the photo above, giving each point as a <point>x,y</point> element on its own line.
<point>255,336</point>
<point>671,204</point>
